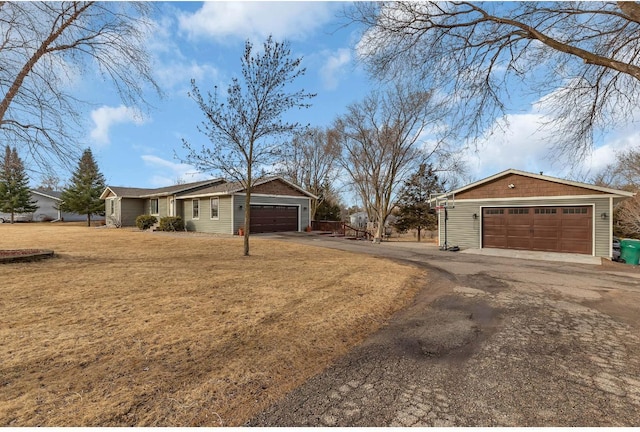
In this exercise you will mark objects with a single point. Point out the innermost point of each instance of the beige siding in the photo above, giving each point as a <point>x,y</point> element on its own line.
<point>465,231</point>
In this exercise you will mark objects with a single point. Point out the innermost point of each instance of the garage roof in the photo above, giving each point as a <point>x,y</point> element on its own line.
<point>615,192</point>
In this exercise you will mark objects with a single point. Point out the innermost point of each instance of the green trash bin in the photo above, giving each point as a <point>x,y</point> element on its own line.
<point>630,251</point>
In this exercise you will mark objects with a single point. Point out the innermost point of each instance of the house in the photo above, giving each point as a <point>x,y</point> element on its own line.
<point>359,220</point>
<point>48,203</point>
<point>214,206</point>
<point>520,210</point>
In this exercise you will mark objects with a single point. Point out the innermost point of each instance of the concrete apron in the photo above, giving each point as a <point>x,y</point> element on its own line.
<point>537,256</point>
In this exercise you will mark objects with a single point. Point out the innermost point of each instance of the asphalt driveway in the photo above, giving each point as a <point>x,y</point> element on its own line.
<point>489,341</point>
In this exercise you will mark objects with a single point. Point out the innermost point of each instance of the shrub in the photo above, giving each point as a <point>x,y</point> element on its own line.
<point>171,223</point>
<point>144,222</point>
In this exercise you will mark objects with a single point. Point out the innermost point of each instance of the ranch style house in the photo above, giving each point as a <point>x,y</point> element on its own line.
<point>214,206</point>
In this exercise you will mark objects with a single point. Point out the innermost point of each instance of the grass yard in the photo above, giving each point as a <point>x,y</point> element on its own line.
<point>129,328</point>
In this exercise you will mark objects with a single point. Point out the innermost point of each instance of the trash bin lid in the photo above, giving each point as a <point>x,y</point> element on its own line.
<point>631,243</point>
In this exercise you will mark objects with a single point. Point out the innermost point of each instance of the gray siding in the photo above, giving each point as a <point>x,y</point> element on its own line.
<point>46,208</point>
<point>231,216</point>
<point>163,207</point>
<point>48,211</point>
<point>204,223</point>
<point>464,231</point>
<point>129,209</point>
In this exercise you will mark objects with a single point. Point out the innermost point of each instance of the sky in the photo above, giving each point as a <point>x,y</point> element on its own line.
<point>204,41</point>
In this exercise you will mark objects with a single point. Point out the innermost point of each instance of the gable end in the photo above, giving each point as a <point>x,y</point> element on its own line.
<point>276,187</point>
<point>523,186</point>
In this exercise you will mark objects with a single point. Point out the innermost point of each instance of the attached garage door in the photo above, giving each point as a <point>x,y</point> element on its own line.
<point>273,218</point>
<point>552,229</point>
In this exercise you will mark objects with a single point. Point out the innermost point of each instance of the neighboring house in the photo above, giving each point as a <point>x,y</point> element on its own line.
<point>48,203</point>
<point>520,210</point>
<point>215,206</point>
<point>359,220</point>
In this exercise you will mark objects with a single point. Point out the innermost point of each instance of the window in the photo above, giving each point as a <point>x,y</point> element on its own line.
<point>214,208</point>
<point>154,206</point>
<point>196,208</point>
<point>112,207</point>
<point>518,211</point>
<point>582,210</point>
<point>545,211</point>
<point>494,211</point>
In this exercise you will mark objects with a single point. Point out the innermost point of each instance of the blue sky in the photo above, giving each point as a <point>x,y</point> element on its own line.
<point>204,41</point>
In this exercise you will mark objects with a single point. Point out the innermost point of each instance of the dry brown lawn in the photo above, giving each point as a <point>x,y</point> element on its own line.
<point>129,328</point>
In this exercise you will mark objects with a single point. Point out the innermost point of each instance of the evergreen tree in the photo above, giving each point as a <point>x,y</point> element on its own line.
<point>87,184</point>
<point>414,211</point>
<point>328,210</point>
<point>15,196</point>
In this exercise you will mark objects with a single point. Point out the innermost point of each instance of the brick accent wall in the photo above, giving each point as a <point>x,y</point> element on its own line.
<point>523,187</point>
<point>277,187</point>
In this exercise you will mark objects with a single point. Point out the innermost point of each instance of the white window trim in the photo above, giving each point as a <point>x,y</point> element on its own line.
<point>193,208</point>
<point>217,208</point>
<point>151,206</point>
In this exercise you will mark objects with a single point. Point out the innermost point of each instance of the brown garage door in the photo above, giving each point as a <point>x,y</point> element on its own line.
<point>273,218</point>
<point>553,229</point>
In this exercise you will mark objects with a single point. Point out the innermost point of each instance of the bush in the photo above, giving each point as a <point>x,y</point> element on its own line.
<point>144,222</point>
<point>171,223</point>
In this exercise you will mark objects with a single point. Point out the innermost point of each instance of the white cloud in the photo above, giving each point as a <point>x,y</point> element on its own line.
<point>105,117</point>
<point>515,143</point>
<point>334,68</point>
<point>176,75</point>
<point>522,144</point>
<point>172,172</point>
<point>256,19</point>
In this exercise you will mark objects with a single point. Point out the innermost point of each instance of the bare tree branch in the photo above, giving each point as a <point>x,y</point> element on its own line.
<point>584,56</point>
<point>246,130</point>
<point>44,47</point>
<point>383,142</point>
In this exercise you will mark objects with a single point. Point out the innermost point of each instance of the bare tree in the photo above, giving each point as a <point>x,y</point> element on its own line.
<point>44,47</point>
<point>383,141</point>
<point>627,218</point>
<point>246,128</point>
<point>311,163</point>
<point>49,181</point>
<point>624,174</point>
<point>583,57</point>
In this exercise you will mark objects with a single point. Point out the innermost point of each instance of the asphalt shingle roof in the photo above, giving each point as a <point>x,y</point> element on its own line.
<point>130,192</point>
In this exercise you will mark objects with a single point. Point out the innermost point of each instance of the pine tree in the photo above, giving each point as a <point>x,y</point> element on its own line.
<point>413,204</point>
<point>15,195</point>
<point>87,184</point>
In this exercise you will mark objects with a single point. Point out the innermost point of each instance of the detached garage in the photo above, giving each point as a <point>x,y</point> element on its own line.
<point>523,211</point>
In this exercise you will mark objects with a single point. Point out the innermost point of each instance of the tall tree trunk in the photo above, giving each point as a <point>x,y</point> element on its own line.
<point>418,234</point>
<point>247,204</point>
<point>247,220</point>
